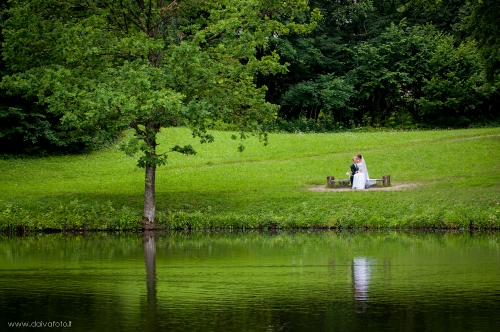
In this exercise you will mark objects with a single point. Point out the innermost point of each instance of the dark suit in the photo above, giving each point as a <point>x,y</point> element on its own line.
<point>354,169</point>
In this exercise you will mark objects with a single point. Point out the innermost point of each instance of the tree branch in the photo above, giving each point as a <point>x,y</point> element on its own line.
<point>215,36</point>
<point>114,19</point>
<point>141,4</point>
<point>135,19</point>
<point>138,130</point>
<point>148,21</point>
<point>170,8</point>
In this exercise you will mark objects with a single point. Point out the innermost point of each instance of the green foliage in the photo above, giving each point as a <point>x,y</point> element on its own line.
<point>389,72</point>
<point>324,124</point>
<point>101,67</point>
<point>28,127</point>
<point>376,57</point>
<point>318,63</point>
<point>73,215</point>
<point>328,94</point>
<point>484,26</point>
<point>455,90</point>
<point>186,149</point>
<point>359,66</point>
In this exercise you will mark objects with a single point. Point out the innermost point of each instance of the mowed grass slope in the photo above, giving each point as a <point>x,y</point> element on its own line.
<point>454,177</point>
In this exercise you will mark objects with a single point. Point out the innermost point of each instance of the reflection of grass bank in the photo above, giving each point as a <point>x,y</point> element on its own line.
<point>457,171</point>
<point>180,255</point>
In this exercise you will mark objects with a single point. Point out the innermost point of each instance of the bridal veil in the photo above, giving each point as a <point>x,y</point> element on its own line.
<point>368,182</point>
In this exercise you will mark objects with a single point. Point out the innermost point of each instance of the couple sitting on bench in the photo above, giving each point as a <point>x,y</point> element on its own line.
<point>359,174</point>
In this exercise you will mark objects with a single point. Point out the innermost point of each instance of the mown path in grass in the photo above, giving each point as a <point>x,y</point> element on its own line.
<point>457,172</point>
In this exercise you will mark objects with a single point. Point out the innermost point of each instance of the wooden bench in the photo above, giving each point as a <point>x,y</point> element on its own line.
<point>385,181</point>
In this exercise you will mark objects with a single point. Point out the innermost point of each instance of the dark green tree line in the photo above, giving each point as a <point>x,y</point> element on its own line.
<point>484,26</point>
<point>29,127</point>
<point>389,63</point>
<point>392,64</point>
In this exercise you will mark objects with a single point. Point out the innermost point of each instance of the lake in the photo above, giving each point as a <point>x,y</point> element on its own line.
<point>252,281</point>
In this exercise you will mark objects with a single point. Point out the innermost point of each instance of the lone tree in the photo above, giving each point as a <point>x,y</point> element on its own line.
<point>149,64</point>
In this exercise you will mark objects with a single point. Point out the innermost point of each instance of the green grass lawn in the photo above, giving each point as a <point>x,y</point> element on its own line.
<point>456,177</point>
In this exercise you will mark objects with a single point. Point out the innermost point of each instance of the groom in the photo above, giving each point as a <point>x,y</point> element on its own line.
<point>354,169</point>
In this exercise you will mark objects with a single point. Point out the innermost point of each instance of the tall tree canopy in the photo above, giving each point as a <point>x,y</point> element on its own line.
<point>109,65</point>
<point>27,127</point>
<point>375,63</point>
<point>484,25</point>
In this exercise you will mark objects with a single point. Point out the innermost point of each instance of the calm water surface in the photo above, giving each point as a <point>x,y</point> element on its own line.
<point>289,281</point>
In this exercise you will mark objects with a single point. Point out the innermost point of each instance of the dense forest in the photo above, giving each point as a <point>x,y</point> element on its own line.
<point>393,63</point>
<point>368,64</point>
<point>29,127</point>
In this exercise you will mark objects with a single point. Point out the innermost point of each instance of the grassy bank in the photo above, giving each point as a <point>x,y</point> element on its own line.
<point>455,176</point>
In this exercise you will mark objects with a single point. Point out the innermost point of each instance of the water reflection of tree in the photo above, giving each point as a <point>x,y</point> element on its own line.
<point>148,241</point>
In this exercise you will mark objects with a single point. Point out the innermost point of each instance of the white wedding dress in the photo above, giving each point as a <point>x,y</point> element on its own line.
<point>358,181</point>
<point>361,180</point>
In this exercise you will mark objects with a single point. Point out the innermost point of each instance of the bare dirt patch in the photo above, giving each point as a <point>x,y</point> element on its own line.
<point>322,188</point>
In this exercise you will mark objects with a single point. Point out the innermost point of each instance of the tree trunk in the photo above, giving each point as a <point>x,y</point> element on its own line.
<point>148,218</point>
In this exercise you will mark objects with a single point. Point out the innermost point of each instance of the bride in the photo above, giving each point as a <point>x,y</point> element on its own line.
<point>361,179</point>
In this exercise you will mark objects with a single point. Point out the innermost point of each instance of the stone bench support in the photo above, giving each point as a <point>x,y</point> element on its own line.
<point>385,181</point>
